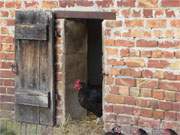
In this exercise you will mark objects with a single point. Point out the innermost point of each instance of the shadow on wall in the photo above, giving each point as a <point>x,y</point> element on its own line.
<point>6,131</point>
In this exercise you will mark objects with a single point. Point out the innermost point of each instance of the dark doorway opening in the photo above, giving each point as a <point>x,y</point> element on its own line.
<point>82,60</point>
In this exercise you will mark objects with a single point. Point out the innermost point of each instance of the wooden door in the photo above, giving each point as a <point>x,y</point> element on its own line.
<point>34,67</point>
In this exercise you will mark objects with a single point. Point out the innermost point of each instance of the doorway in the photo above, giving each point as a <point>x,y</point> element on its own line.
<point>82,60</point>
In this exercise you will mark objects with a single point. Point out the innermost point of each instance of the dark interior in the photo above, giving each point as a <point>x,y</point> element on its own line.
<point>83,60</point>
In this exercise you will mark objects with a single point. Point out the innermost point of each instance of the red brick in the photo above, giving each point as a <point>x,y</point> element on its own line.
<point>122,119</point>
<point>31,4</point>
<point>138,62</point>
<point>159,13</point>
<point>148,103</point>
<point>1,4</point>
<point>178,96</point>
<point>115,99</point>
<point>113,24</point>
<point>170,3</point>
<point>114,90</point>
<point>145,83</point>
<point>112,51</point>
<point>134,23</point>
<point>158,94</point>
<point>7,74</point>
<point>169,76</point>
<point>175,23</point>
<point>176,106</point>
<point>104,3</point>
<point>63,3</point>
<point>169,85</point>
<point>167,54</point>
<point>169,44</point>
<point>109,42</point>
<point>115,62</point>
<point>148,13</point>
<point>84,3</point>
<point>49,4</point>
<point>110,118</point>
<point>124,52</point>
<point>146,92</point>
<point>170,96</point>
<point>165,105</point>
<point>6,39</point>
<point>130,100</point>
<point>126,82</point>
<point>146,54</point>
<point>148,123</point>
<point>7,98</point>
<point>156,23</point>
<point>13,4</point>
<point>108,108</point>
<point>126,3</point>
<point>147,73</point>
<point>4,13</point>
<point>170,116</point>
<point>130,72</point>
<point>148,4</point>
<point>124,43</point>
<point>170,13</point>
<point>158,114</point>
<point>158,63</point>
<point>122,109</point>
<point>146,112</point>
<point>145,43</point>
<point>124,90</point>
<point>177,54</point>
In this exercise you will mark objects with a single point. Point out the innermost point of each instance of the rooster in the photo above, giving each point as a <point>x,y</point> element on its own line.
<point>90,97</point>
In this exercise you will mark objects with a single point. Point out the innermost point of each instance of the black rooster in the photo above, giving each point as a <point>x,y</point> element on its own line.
<point>90,97</point>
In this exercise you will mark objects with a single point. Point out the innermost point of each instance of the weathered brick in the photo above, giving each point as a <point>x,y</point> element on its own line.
<point>175,65</point>
<point>158,63</point>
<point>134,92</point>
<point>175,23</point>
<point>146,92</point>
<point>146,112</point>
<point>126,3</point>
<point>115,99</point>
<point>148,13</point>
<point>49,4</point>
<point>84,3</point>
<point>146,83</point>
<point>170,3</point>
<point>108,108</point>
<point>124,52</point>
<point>165,105</point>
<point>169,85</point>
<point>158,94</point>
<point>156,23</point>
<point>170,116</point>
<point>169,76</point>
<point>134,62</point>
<point>149,123</point>
<point>123,119</point>
<point>31,4</point>
<point>129,100</point>
<point>145,43</point>
<point>147,54</point>
<point>112,51</point>
<point>124,90</point>
<point>126,82</point>
<point>113,24</point>
<point>134,23</point>
<point>110,118</point>
<point>170,96</point>
<point>130,72</point>
<point>147,73</point>
<point>104,3</point>
<point>148,4</point>
<point>158,114</point>
<point>124,43</point>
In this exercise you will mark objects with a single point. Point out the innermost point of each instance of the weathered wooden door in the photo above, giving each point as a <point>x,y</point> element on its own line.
<point>34,67</point>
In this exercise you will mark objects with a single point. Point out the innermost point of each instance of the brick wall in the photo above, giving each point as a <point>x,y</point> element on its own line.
<point>142,58</point>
